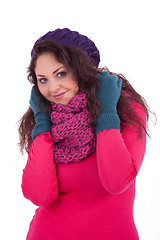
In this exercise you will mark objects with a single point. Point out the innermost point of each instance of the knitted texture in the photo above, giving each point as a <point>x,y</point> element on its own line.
<point>73,136</point>
<point>42,119</point>
<point>108,94</point>
<point>72,38</point>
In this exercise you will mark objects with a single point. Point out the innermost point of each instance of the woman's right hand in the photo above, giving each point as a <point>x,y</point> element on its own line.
<point>42,119</point>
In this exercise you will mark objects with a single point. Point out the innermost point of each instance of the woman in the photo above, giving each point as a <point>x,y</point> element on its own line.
<point>85,132</point>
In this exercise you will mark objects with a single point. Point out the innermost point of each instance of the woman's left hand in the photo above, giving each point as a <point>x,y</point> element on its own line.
<point>108,94</point>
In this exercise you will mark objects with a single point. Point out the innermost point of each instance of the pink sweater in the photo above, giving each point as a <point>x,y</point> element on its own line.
<point>88,200</point>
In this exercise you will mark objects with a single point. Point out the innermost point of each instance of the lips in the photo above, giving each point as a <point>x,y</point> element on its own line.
<point>59,96</point>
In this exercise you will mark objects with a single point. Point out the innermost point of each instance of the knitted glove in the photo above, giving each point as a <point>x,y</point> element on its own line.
<point>43,120</point>
<point>108,94</point>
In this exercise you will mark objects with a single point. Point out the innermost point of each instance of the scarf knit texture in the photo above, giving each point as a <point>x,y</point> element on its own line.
<point>73,136</point>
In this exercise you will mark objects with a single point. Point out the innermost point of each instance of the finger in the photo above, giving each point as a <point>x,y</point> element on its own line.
<point>119,83</point>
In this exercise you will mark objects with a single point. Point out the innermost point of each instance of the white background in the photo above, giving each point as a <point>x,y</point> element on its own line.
<point>127,35</point>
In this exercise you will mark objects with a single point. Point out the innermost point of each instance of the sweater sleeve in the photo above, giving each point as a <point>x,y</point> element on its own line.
<point>120,155</point>
<point>39,181</point>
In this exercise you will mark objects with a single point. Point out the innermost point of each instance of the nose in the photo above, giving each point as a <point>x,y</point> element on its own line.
<point>53,86</point>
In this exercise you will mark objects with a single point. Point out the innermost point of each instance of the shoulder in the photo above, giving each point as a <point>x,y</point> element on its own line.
<point>138,110</point>
<point>137,123</point>
<point>43,142</point>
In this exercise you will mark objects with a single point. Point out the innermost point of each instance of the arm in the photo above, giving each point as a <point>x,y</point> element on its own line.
<point>120,155</point>
<point>39,181</point>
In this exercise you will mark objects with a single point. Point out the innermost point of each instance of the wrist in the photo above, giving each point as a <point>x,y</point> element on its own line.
<point>107,121</point>
<point>41,128</point>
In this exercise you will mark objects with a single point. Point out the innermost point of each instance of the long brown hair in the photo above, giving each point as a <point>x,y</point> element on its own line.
<point>85,71</point>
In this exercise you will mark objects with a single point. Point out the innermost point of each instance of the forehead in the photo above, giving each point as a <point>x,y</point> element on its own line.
<point>47,62</point>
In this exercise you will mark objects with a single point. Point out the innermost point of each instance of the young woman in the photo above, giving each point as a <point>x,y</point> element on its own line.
<point>85,134</point>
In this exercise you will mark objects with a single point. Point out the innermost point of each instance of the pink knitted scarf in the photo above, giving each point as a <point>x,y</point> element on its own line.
<point>73,136</point>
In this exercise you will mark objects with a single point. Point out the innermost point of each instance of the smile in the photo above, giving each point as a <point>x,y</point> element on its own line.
<point>59,96</point>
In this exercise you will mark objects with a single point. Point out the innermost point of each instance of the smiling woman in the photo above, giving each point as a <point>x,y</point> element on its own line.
<point>77,66</point>
<point>85,132</point>
<point>54,81</point>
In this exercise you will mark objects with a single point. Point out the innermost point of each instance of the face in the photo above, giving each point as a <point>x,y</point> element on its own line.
<point>54,81</point>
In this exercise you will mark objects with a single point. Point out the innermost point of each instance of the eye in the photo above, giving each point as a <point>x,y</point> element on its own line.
<point>61,74</point>
<point>42,80</point>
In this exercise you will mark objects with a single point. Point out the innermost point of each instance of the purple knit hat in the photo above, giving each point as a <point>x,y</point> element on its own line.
<point>71,38</point>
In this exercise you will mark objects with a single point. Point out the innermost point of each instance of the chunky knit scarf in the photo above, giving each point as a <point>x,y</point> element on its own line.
<point>73,136</point>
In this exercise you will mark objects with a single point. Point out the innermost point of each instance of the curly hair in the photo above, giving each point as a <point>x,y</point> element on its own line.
<point>85,72</point>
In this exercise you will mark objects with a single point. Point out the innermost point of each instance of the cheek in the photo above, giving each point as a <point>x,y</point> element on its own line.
<point>75,87</point>
<point>42,90</point>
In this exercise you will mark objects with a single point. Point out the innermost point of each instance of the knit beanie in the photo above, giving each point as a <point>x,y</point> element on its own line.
<point>67,37</point>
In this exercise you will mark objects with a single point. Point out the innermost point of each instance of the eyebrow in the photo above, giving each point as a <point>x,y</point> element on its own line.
<point>57,70</point>
<point>53,72</point>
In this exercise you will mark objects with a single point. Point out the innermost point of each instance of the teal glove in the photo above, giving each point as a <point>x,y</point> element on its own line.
<point>108,94</point>
<point>43,120</point>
